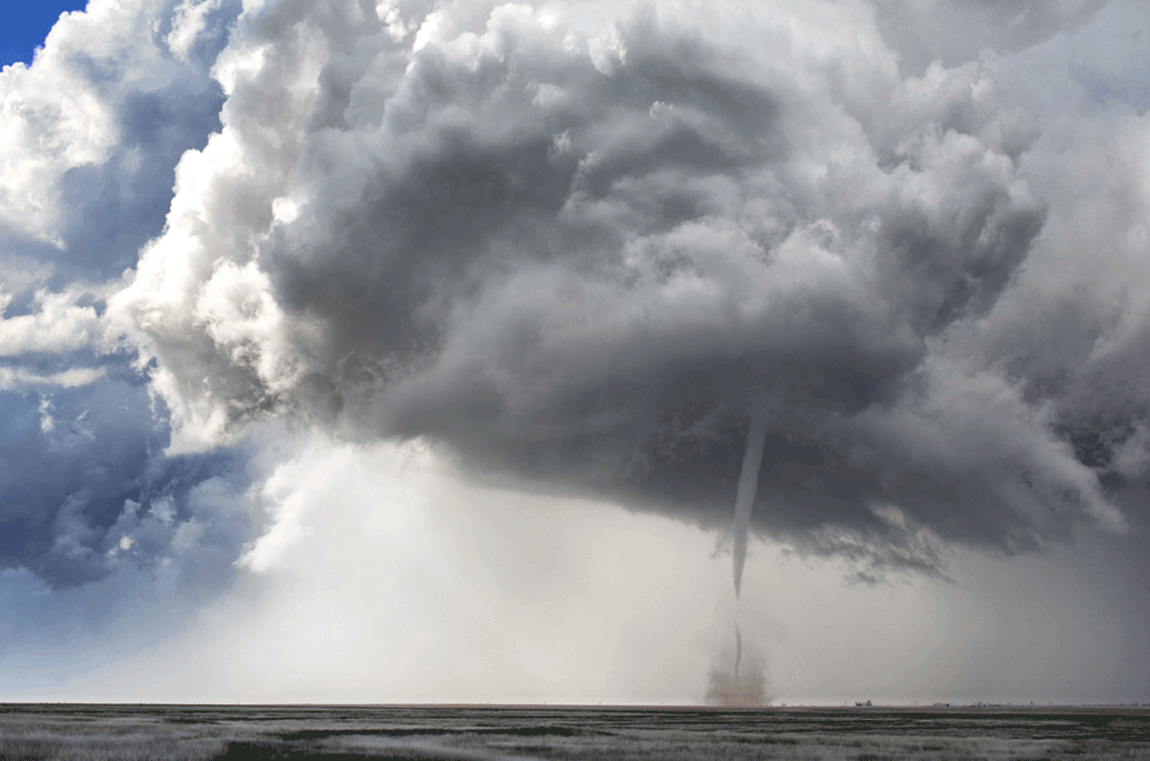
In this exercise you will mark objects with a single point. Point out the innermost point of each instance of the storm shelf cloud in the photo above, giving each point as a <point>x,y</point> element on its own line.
<point>580,248</point>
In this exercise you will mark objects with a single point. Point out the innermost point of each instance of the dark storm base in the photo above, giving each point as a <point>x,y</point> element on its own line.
<point>78,732</point>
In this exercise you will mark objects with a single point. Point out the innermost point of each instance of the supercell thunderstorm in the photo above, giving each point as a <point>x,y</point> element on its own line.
<point>622,250</point>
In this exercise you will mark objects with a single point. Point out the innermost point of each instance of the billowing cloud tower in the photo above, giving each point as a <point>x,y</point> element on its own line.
<point>580,245</point>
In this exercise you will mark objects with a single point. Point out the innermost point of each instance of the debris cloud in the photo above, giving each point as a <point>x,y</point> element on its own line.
<point>738,679</point>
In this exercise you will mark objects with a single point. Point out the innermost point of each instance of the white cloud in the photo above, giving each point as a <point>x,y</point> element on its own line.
<point>76,376</point>
<point>57,325</point>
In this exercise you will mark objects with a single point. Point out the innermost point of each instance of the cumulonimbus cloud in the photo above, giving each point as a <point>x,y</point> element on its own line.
<point>581,244</point>
<point>92,131</point>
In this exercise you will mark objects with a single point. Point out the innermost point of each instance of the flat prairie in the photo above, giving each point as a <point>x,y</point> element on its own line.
<point>95,732</point>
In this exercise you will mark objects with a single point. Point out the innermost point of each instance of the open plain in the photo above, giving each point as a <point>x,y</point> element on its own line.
<point>79,732</point>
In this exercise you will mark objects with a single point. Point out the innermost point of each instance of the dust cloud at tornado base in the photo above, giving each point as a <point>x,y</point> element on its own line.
<point>579,249</point>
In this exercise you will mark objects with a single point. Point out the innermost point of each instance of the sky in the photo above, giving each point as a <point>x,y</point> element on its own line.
<point>27,24</point>
<point>420,351</point>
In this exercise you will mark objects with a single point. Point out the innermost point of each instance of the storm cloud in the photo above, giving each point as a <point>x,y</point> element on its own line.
<point>578,246</point>
<point>92,132</point>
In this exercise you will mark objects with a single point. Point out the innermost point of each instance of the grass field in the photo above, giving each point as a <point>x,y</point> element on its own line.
<point>76,732</point>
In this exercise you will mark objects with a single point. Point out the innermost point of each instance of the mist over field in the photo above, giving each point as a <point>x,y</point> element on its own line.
<point>470,350</point>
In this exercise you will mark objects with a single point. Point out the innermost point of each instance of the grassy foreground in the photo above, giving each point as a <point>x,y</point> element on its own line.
<point>74,732</point>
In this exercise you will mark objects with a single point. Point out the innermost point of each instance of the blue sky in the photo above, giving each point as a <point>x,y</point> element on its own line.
<point>25,25</point>
<point>411,351</point>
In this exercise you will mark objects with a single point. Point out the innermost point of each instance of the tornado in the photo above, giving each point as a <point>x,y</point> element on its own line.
<point>745,496</point>
<point>738,653</point>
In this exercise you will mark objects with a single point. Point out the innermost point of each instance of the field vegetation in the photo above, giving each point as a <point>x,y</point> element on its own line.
<point>198,733</point>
